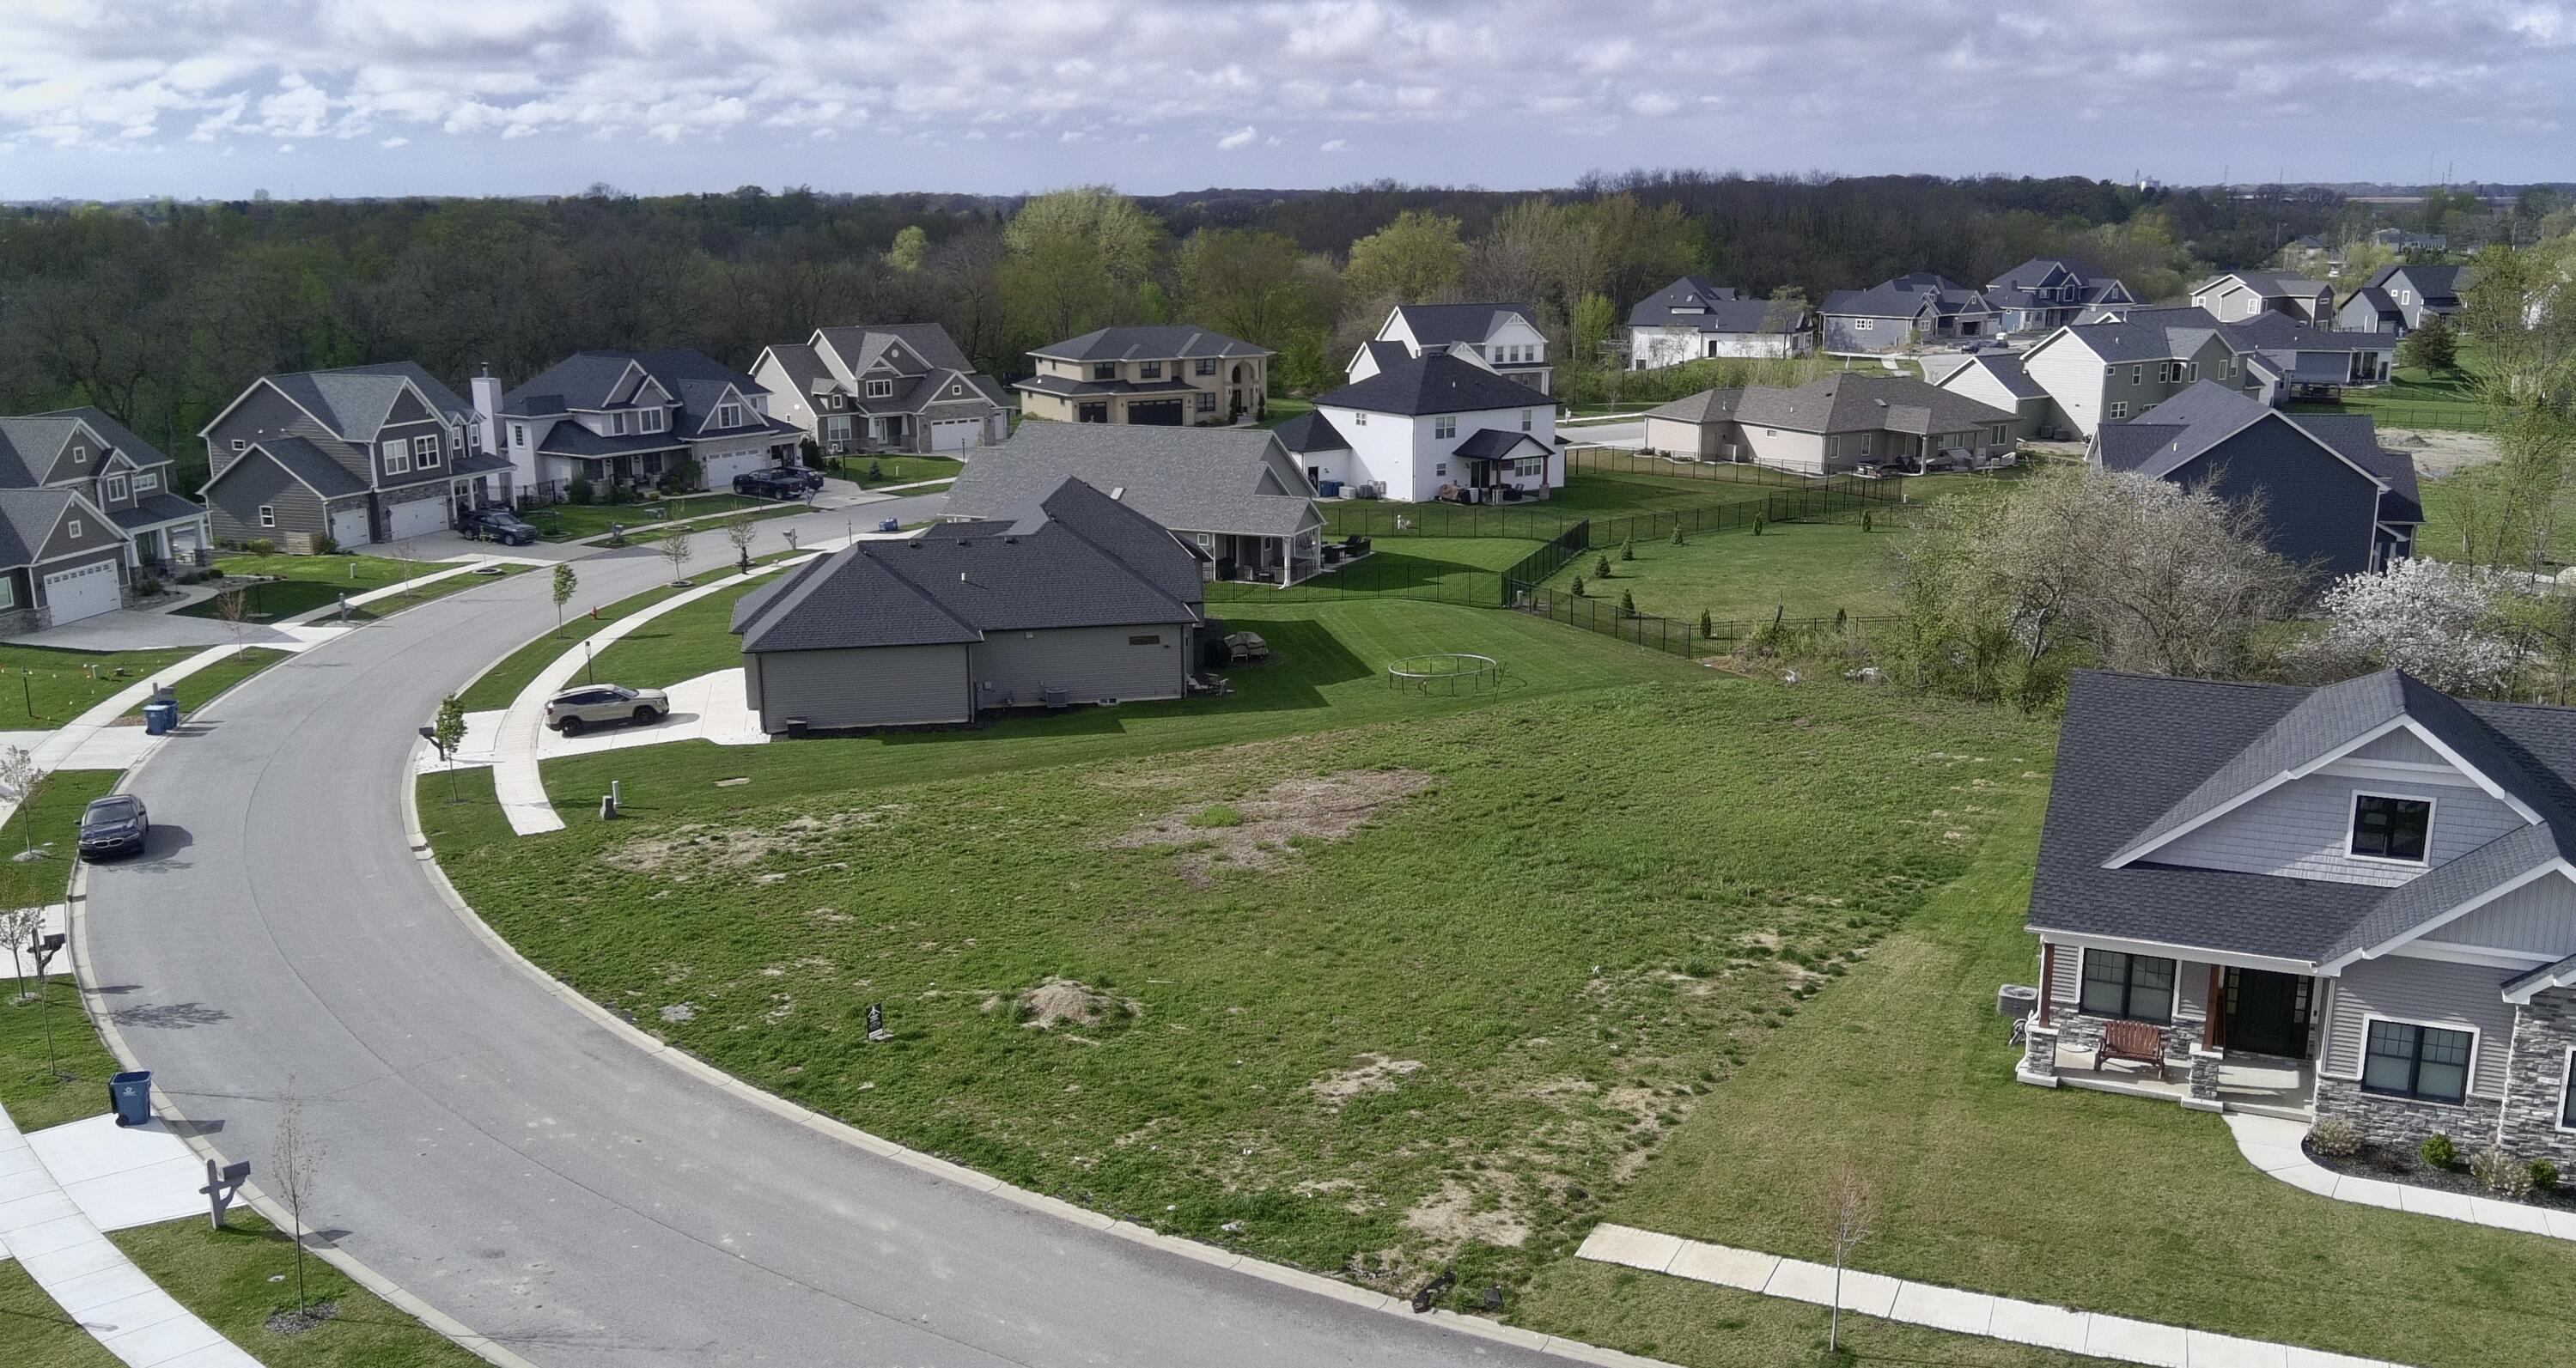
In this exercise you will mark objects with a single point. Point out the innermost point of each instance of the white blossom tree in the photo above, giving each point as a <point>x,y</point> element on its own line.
<point>2445,624</point>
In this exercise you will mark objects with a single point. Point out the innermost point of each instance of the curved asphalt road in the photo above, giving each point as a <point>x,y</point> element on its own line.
<point>519,1167</point>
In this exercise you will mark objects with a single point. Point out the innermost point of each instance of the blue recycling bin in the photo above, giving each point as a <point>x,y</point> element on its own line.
<point>889,525</point>
<point>130,1094</point>
<point>1330,489</point>
<point>160,718</point>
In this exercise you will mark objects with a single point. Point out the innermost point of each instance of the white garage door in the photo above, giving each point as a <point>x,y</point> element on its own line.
<point>418,518</point>
<point>349,526</point>
<point>720,470</point>
<point>83,593</point>
<point>956,435</point>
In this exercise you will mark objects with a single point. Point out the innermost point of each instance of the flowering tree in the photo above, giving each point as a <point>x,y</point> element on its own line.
<point>2442,623</point>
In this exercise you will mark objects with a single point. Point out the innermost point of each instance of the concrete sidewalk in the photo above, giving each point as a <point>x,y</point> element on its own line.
<point>2274,1146</point>
<point>2089,1333</point>
<point>54,1236</point>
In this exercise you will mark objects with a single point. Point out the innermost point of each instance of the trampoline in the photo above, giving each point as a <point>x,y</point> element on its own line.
<point>1451,672</point>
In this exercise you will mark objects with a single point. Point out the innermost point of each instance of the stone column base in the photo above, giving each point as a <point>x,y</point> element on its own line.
<point>2038,1056</point>
<point>2204,1079</point>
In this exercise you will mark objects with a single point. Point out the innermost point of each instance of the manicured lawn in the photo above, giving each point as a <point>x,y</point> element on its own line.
<point>38,1332</point>
<point>50,824</point>
<point>306,582</point>
<point>2443,524</point>
<point>1596,493</point>
<point>1445,1032</point>
<point>1810,569</point>
<point>201,688</point>
<point>224,1276</point>
<point>2103,1203</point>
<point>681,644</point>
<point>414,597</point>
<point>42,688</point>
<point>714,534</point>
<point>2418,398</point>
<point>1450,569</point>
<point>34,1097</point>
<point>1278,409</point>
<point>571,522</point>
<point>500,684</point>
<point>894,469</point>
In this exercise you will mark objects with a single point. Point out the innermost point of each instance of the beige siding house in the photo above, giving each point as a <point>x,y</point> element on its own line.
<point>1163,376</point>
<point>1834,426</point>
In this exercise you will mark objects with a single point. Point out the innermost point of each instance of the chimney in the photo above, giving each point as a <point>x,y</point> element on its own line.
<point>486,388</point>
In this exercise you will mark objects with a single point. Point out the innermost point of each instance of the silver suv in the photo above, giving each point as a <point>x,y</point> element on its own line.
<point>573,709</point>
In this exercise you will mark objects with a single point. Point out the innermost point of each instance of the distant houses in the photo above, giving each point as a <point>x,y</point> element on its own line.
<point>1436,426</point>
<point>2399,298</point>
<point>1167,375</point>
<point>1504,338</point>
<point>901,387</point>
<point>652,422</point>
<point>1693,320</point>
<point>2239,295</point>
<point>1922,309</point>
<point>2050,292</point>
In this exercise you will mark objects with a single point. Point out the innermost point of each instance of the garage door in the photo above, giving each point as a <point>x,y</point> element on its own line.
<point>956,435</point>
<point>418,518</point>
<point>720,470</point>
<point>1160,413</point>
<point>83,593</point>
<point>349,526</point>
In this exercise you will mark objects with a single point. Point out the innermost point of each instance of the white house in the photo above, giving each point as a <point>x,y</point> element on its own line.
<point>1691,320</point>
<point>1429,427</point>
<point>1504,338</point>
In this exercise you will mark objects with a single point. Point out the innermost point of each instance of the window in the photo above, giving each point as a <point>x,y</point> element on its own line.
<point>117,487</point>
<point>1206,365</point>
<point>1441,469</point>
<point>397,457</point>
<point>2405,296</point>
<point>80,455</point>
<point>728,415</point>
<point>617,423</point>
<point>652,420</point>
<point>1206,538</point>
<point>1150,370</point>
<point>1360,418</point>
<point>2191,372</point>
<point>2385,828</point>
<point>1146,639</point>
<point>837,429</point>
<point>146,482</point>
<point>268,515</point>
<point>1207,402</point>
<point>74,527</point>
<point>518,434</point>
<point>8,594</point>
<point>2426,1063</point>
<point>1445,426</point>
<point>1864,324</point>
<point>2566,1090</point>
<point>881,389</point>
<point>2137,375</point>
<point>424,452</point>
<point>2137,987</point>
<point>1525,420</point>
<point>2119,409</point>
<point>240,445</point>
<point>1104,370</point>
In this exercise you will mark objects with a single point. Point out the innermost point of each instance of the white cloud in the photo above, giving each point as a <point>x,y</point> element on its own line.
<point>1654,104</point>
<point>395,142</point>
<point>1241,137</point>
<point>1335,145</point>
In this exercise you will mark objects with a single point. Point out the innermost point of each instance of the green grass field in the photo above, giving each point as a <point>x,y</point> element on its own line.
<point>1447,1025</point>
<point>2077,1198</point>
<point>304,583</point>
<point>2418,398</point>
<point>37,1331</point>
<point>894,469</point>
<point>500,684</point>
<point>224,1276</point>
<point>682,644</point>
<point>1810,569</point>
<point>77,1086</point>
<point>42,688</point>
<point>1461,570</point>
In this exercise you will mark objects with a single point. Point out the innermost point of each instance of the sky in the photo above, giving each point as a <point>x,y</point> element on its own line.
<point>115,99</point>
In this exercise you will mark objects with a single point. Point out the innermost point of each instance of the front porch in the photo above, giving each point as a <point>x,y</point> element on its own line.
<point>2209,1036</point>
<point>2258,1085</point>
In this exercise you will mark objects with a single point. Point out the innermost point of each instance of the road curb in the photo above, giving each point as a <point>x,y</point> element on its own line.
<point>959,1174</point>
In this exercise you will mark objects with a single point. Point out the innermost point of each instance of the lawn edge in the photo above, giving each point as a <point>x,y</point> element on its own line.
<point>945,1170</point>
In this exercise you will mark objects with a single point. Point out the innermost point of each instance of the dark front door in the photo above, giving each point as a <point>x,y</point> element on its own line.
<point>2268,1013</point>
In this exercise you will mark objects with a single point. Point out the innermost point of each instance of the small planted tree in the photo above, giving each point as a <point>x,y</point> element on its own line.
<point>1707,625</point>
<point>18,926</point>
<point>1628,548</point>
<point>233,606</point>
<point>449,732</point>
<point>294,1165</point>
<point>566,582</point>
<point>675,549</point>
<point>1758,521</point>
<point>1601,567</point>
<point>23,780</point>
<point>1850,1210</point>
<point>1627,604</point>
<point>740,529</point>
<point>1577,588</point>
<point>1678,539</point>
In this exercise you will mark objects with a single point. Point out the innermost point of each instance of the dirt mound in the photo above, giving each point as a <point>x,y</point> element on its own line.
<point>1257,832</point>
<point>1063,1001</point>
<point>693,849</point>
<point>1375,1074</point>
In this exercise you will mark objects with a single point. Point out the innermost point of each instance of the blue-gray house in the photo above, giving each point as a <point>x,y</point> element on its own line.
<point>2333,499</point>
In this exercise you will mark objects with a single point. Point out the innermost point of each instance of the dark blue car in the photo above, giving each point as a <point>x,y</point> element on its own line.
<point>114,825</point>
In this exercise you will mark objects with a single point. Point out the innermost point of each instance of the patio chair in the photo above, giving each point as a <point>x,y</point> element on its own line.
<point>2135,1041</point>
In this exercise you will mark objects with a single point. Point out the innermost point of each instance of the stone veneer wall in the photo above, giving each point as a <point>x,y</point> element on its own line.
<point>2400,1124</point>
<point>2083,1031</point>
<point>2535,1082</point>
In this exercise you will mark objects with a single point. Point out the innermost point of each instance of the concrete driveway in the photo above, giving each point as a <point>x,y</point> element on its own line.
<point>530,1172</point>
<point>129,630</point>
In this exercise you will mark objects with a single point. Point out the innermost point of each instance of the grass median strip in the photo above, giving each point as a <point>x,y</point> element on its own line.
<point>35,1331</point>
<point>231,1279</point>
<point>50,826</point>
<point>73,1084</point>
<point>203,687</point>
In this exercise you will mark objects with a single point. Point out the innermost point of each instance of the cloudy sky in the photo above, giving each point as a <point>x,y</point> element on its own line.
<point>118,98</point>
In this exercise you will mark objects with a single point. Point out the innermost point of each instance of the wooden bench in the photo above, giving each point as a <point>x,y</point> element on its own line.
<point>2135,1041</point>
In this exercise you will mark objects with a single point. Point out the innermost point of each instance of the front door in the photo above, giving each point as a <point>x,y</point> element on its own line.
<point>2268,1013</point>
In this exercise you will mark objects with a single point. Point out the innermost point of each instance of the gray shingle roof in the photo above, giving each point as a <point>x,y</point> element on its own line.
<point>308,463</point>
<point>1186,479</point>
<point>152,510</point>
<point>2183,428</point>
<point>354,401</point>
<point>2269,284</point>
<point>27,518</point>
<point>1498,444</point>
<point>2007,370</point>
<point>1162,342</point>
<point>860,346</point>
<point>695,381</point>
<point>1310,431</point>
<point>118,435</point>
<point>1074,559</point>
<point>1435,383</point>
<point>2430,283</point>
<point>1843,403</point>
<point>1438,325</point>
<point>1707,308</point>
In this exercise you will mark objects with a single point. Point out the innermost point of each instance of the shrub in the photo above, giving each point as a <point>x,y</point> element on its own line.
<point>1758,522</point>
<point>1601,567</point>
<point>2500,1173</point>
<point>146,585</point>
<point>1628,548</point>
<point>1627,604</point>
<point>1864,520</point>
<point>579,491</point>
<point>1678,538</point>
<point>260,546</point>
<point>2438,1150</point>
<point>2335,1136</point>
<point>876,469</point>
<point>2544,1176</point>
<point>324,546</point>
<point>1578,586</point>
<point>1707,624</point>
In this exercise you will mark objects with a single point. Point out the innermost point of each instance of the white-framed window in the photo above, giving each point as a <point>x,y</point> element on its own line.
<point>145,482</point>
<point>1441,469</point>
<point>1445,426</point>
<point>2119,409</point>
<point>881,389</point>
<point>424,451</point>
<point>653,419</point>
<point>2137,375</point>
<point>74,528</point>
<point>8,594</point>
<point>1864,324</point>
<point>2417,1060</point>
<point>1149,370</point>
<point>1525,420</point>
<point>80,454</point>
<point>240,445</point>
<point>2191,372</point>
<point>118,487</point>
<point>518,434</point>
<point>836,429</point>
<point>2392,827</point>
<point>1360,418</point>
<point>728,415</point>
<point>397,457</point>
<point>2115,983</point>
<point>268,515</point>
<point>617,423</point>
<point>2405,296</point>
<point>1205,538</point>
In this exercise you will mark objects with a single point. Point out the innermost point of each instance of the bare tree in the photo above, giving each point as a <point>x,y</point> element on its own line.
<point>294,1164</point>
<point>1850,1211</point>
<point>233,606</point>
<point>19,926</point>
<point>675,549</point>
<point>23,780</point>
<point>740,529</point>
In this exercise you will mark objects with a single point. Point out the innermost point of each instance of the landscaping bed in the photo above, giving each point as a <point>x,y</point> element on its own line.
<point>2389,1163</point>
<point>1338,974</point>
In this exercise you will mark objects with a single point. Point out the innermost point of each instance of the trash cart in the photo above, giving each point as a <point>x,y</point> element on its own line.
<point>160,718</point>
<point>130,1095</point>
<point>890,525</point>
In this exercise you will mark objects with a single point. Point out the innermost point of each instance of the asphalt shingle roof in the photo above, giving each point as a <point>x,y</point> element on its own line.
<point>27,518</point>
<point>1310,431</point>
<point>1710,308</point>
<point>1435,383</point>
<point>152,510</point>
<point>1438,325</point>
<point>1497,444</point>
<point>354,401</point>
<point>1162,342</point>
<point>1186,479</point>
<point>308,463</point>
<point>1843,403</point>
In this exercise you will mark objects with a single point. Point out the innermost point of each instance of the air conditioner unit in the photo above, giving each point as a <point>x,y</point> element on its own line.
<point>1055,698</point>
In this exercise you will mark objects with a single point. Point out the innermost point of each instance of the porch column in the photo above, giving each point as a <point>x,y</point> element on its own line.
<point>1287,561</point>
<point>2047,980</point>
<point>2210,1030</point>
<point>2204,1079</point>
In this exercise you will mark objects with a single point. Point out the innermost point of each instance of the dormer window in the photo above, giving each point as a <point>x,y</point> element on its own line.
<point>652,420</point>
<point>881,389</point>
<point>2386,828</point>
<point>118,487</point>
<point>728,415</point>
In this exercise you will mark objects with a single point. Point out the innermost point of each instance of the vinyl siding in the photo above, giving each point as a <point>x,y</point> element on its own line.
<point>2072,375</point>
<point>884,686</point>
<point>266,413</point>
<point>2317,510</point>
<point>1884,334</point>
<point>1980,384</point>
<point>96,535</point>
<point>233,501</point>
<point>2303,829</point>
<point>1673,434</point>
<point>1014,669</point>
<point>1789,450</point>
<point>2431,992</point>
<point>2538,918</point>
<point>2402,746</point>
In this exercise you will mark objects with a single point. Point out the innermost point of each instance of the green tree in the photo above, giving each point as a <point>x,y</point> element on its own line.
<point>1248,284</point>
<point>910,246</point>
<point>1417,259</point>
<point>1076,259</point>
<point>449,733</point>
<point>2432,347</point>
<point>566,583</point>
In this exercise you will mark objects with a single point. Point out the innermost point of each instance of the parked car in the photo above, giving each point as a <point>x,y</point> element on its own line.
<point>573,709</point>
<point>796,476</point>
<point>496,525</point>
<point>114,825</point>
<point>764,484</point>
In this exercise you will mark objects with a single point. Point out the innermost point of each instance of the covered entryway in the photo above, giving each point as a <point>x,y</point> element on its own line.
<point>349,526</point>
<point>418,518</point>
<point>83,593</point>
<point>2266,1013</point>
<point>1155,413</point>
<point>955,434</point>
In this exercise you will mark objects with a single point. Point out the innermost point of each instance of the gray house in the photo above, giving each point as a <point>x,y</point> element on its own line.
<point>665,421</point>
<point>1691,320</point>
<point>2332,499</point>
<point>1921,309</point>
<point>2354,901</point>
<point>1832,426</point>
<point>2117,363</point>
<point>353,456</point>
<point>892,387</point>
<point>2404,295</point>
<point>127,478</point>
<point>1235,494</point>
<point>2049,292</point>
<point>2240,295</point>
<point>1075,599</point>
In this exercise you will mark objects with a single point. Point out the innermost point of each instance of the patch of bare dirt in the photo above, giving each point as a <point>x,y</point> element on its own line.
<point>688,851</point>
<point>2440,453</point>
<point>1376,1074</point>
<point>1327,807</point>
<point>1064,1001</point>
<point>1452,1218</point>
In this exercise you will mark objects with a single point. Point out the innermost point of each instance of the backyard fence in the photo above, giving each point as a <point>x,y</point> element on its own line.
<point>1611,460</point>
<point>1802,636</point>
<point>2437,417</point>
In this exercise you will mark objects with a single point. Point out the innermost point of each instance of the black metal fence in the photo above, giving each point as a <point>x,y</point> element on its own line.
<point>1622,461</point>
<point>1780,635</point>
<point>2437,417</point>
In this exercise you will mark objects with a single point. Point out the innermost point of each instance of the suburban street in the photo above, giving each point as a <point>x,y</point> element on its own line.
<point>509,1160</point>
